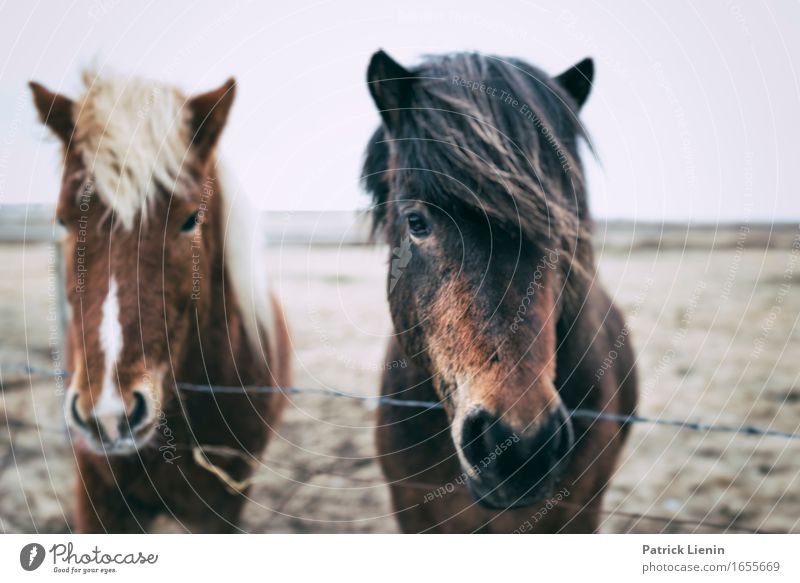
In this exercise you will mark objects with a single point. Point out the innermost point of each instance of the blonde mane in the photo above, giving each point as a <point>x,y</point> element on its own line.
<point>244,263</point>
<point>133,137</point>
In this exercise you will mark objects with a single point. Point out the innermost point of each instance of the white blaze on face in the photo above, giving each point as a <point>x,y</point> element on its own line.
<point>110,408</point>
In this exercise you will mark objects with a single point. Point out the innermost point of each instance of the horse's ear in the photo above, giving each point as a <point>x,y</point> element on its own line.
<point>390,85</point>
<point>209,115</point>
<point>55,111</point>
<point>577,80</point>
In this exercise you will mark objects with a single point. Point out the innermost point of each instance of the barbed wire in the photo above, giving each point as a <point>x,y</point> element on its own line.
<point>13,423</point>
<point>204,450</point>
<point>381,400</point>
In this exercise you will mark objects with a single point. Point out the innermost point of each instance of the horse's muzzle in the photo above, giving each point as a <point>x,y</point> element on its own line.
<point>509,470</point>
<point>113,432</point>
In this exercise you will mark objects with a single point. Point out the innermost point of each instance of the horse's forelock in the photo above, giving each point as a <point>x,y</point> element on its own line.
<point>500,139</point>
<point>133,138</point>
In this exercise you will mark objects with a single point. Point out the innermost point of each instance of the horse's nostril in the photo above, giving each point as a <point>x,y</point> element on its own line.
<point>565,434</point>
<point>76,416</point>
<point>481,433</point>
<point>138,414</point>
<point>473,432</point>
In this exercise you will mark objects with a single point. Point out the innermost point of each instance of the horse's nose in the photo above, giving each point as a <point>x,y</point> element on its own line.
<point>112,421</point>
<point>498,454</point>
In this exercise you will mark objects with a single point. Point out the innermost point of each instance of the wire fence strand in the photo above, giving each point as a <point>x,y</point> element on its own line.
<point>380,400</point>
<point>203,450</point>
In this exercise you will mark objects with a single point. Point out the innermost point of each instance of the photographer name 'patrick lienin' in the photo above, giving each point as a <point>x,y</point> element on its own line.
<point>682,550</point>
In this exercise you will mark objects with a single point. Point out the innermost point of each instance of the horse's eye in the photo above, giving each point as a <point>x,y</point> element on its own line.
<point>417,224</point>
<point>190,223</point>
<point>61,222</point>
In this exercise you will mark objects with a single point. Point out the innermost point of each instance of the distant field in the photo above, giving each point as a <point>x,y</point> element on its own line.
<point>713,321</point>
<point>325,228</point>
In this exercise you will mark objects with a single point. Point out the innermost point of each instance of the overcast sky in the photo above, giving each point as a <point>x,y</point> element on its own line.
<point>695,111</point>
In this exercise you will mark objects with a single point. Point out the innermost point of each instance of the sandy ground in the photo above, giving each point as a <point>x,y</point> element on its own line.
<point>716,330</point>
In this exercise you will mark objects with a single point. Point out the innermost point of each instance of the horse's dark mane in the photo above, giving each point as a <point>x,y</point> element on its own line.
<point>517,163</point>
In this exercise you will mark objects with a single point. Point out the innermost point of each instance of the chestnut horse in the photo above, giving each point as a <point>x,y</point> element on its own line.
<point>478,188</point>
<point>163,285</point>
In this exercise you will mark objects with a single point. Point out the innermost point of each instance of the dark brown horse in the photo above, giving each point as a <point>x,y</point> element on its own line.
<point>161,285</point>
<point>478,187</point>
